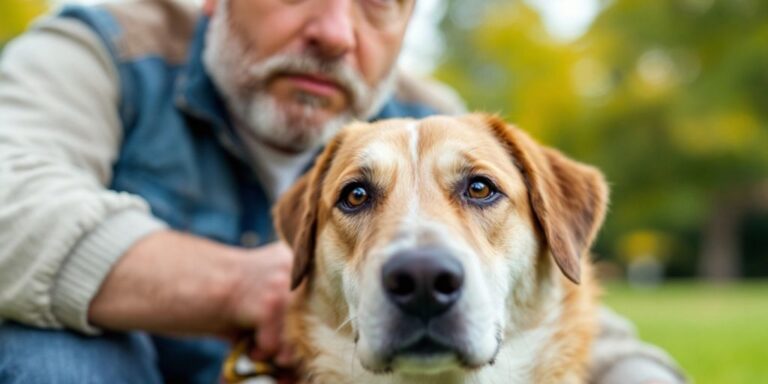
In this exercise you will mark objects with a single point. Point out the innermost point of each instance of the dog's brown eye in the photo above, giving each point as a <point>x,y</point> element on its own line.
<point>357,197</point>
<point>479,190</point>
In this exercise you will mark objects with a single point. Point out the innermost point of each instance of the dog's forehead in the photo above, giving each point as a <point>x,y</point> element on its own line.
<point>404,140</point>
<point>381,146</point>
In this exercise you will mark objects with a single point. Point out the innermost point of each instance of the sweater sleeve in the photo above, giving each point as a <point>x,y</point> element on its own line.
<point>61,229</point>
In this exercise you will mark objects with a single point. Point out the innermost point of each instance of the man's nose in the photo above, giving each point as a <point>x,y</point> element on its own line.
<point>423,282</point>
<point>331,31</point>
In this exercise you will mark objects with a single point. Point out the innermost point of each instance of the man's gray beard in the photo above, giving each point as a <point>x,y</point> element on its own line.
<point>267,123</point>
<point>242,83</point>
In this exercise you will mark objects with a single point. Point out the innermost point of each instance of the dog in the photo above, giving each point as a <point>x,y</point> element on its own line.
<point>442,250</point>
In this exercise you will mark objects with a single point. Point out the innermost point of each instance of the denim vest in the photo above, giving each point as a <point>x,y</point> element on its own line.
<point>179,151</point>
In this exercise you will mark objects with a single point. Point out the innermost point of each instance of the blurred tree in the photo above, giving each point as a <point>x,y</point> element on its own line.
<point>15,15</point>
<point>669,98</point>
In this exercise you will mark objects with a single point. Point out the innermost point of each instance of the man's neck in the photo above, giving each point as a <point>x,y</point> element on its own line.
<point>276,168</point>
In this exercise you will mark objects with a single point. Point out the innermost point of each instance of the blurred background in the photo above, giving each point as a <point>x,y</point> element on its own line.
<point>670,99</point>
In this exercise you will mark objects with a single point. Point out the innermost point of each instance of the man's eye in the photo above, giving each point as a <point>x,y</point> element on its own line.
<point>383,13</point>
<point>354,197</point>
<point>385,2</point>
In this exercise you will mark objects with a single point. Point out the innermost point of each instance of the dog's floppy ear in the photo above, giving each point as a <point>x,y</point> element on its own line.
<point>296,212</point>
<point>568,198</point>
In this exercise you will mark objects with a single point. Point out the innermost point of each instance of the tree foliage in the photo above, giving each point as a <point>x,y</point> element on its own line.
<point>15,15</point>
<point>668,98</point>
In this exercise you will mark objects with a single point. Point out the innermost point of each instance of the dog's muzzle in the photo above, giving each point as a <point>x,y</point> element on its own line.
<point>423,284</point>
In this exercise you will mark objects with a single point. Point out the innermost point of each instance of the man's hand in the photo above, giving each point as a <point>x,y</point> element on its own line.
<point>173,283</point>
<point>261,295</point>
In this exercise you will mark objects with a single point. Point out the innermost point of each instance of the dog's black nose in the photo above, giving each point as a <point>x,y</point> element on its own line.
<point>424,282</point>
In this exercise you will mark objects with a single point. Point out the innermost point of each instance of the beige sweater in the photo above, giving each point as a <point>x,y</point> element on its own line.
<point>61,229</point>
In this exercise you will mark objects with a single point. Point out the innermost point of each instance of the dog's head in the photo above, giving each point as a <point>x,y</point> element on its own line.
<point>438,237</point>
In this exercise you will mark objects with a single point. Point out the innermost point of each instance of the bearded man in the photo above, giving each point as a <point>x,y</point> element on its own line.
<point>142,145</point>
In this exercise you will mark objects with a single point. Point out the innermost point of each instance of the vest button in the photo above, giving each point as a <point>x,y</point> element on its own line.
<point>250,239</point>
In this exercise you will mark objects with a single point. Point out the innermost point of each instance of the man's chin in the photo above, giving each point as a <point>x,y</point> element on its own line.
<point>302,136</point>
<point>290,126</point>
<point>309,119</point>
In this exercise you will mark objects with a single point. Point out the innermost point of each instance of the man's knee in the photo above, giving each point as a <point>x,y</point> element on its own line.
<point>29,355</point>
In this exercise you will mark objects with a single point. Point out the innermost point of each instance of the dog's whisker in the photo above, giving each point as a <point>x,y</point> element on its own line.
<point>344,323</point>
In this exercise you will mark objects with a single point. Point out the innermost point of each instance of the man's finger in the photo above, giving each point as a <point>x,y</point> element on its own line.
<point>287,357</point>
<point>269,332</point>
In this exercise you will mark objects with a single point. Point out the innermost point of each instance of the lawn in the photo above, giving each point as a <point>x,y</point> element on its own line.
<point>718,333</point>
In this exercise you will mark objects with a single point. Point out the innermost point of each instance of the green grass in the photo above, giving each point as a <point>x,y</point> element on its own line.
<point>718,333</point>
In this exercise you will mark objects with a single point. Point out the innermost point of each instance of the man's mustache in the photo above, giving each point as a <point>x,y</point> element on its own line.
<point>337,72</point>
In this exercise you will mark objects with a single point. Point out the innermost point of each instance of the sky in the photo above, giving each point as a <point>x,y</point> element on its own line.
<point>567,19</point>
<point>564,19</point>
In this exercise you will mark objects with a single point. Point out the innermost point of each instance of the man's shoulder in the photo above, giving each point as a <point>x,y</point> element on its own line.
<point>429,92</point>
<point>159,28</point>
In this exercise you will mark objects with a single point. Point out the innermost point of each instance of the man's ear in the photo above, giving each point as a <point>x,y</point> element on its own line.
<point>209,6</point>
<point>296,214</point>
<point>568,199</point>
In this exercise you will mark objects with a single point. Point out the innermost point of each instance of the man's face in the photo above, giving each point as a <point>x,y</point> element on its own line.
<point>293,71</point>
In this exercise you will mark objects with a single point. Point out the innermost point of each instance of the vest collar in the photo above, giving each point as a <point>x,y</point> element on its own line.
<point>197,97</point>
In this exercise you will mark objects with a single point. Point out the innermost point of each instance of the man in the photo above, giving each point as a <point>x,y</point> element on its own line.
<point>141,147</point>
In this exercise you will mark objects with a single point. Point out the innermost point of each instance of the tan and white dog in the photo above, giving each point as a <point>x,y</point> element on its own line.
<point>443,250</point>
